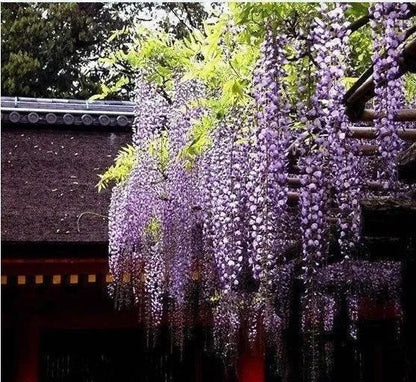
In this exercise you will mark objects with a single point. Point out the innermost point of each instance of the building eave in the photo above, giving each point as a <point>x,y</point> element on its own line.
<point>41,111</point>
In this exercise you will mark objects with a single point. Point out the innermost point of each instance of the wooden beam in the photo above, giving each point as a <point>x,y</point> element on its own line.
<point>371,133</point>
<point>359,132</point>
<point>356,100</point>
<point>357,24</point>
<point>369,150</point>
<point>402,115</point>
<point>27,348</point>
<point>11,266</point>
<point>251,367</point>
<point>363,78</point>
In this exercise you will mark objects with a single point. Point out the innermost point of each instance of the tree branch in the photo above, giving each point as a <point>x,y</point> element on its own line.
<point>357,24</point>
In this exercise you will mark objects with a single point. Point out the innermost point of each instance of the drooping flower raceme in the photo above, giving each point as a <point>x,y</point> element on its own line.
<point>388,88</point>
<point>267,186</point>
<point>325,124</point>
<point>153,208</point>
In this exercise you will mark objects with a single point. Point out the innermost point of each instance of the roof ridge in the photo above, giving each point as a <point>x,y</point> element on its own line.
<point>59,111</point>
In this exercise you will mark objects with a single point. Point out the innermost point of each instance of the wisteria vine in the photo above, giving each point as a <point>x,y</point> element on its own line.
<point>242,222</point>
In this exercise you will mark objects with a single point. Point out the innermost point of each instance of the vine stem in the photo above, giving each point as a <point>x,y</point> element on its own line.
<point>88,213</point>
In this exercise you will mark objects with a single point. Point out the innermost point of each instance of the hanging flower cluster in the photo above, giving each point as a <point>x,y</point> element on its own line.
<point>229,223</point>
<point>331,175</point>
<point>389,95</point>
<point>267,185</point>
<point>151,214</point>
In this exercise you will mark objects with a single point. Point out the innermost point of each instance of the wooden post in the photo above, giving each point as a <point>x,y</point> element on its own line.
<point>27,351</point>
<point>251,366</point>
<point>251,360</point>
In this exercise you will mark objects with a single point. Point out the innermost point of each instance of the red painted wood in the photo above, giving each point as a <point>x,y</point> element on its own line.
<point>370,310</point>
<point>27,349</point>
<point>251,367</point>
<point>53,266</point>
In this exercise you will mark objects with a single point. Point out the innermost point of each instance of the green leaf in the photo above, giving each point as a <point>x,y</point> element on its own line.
<point>120,170</point>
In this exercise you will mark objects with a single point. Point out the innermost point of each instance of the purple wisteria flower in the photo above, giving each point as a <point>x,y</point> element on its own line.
<point>227,226</point>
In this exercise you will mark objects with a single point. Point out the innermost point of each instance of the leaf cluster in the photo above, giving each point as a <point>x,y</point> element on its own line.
<point>48,48</point>
<point>120,170</point>
<point>53,49</point>
<point>223,54</point>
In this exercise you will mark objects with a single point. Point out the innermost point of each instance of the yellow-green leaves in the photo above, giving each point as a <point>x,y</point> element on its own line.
<point>349,81</point>
<point>410,86</point>
<point>105,90</point>
<point>153,229</point>
<point>198,140</point>
<point>233,90</point>
<point>159,149</point>
<point>223,56</point>
<point>121,169</point>
<point>118,33</point>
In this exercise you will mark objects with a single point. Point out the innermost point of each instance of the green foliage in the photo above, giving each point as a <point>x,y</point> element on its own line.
<point>410,86</point>
<point>361,51</point>
<point>53,49</point>
<point>159,150</point>
<point>106,91</point>
<point>127,158</point>
<point>198,141</point>
<point>153,229</point>
<point>47,48</point>
<point>222,53</point>
<point>121,169</point>
<point>255,16</point>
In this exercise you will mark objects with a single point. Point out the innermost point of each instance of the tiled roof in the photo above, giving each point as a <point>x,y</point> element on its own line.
<point>83,113</point>
<point>48,180</point>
